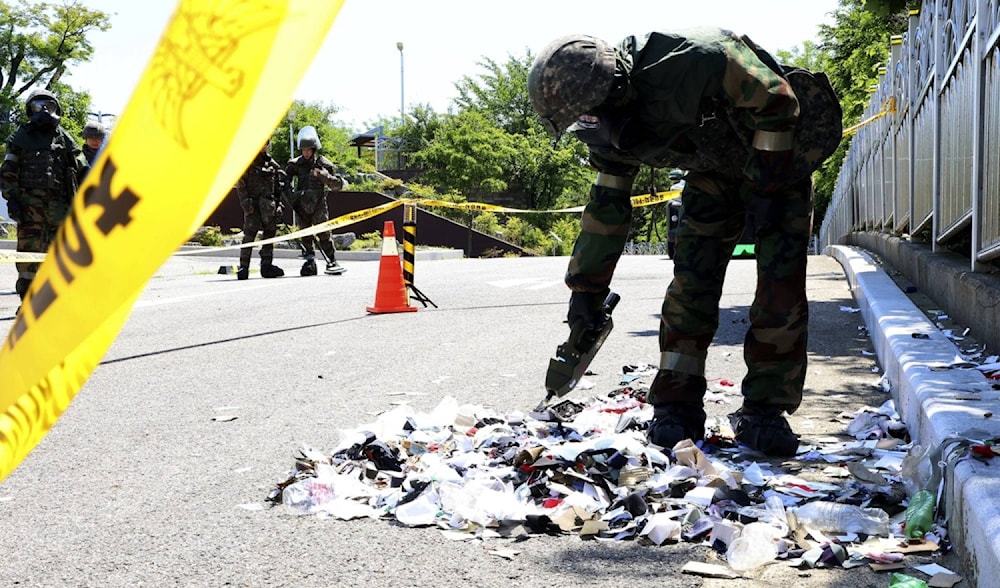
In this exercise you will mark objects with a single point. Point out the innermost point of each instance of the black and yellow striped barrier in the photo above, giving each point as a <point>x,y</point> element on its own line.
<point>410,253</point>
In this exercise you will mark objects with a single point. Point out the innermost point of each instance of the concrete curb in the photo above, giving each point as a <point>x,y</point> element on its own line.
<point>934,404</point>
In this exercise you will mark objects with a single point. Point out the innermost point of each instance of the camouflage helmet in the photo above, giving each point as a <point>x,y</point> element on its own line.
<point>93,129</point>
<point>308,138</point>
<point>572,75</point>
<point>41,94</point>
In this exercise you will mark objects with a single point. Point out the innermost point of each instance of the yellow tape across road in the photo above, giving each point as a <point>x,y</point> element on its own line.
<point>360,215</point>
<point>335,223</point>
<point>637,201</point>
<point>19,256</point>
<point>218,83</point>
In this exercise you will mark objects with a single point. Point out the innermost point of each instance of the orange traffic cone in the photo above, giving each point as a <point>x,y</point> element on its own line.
<point>390,295</point>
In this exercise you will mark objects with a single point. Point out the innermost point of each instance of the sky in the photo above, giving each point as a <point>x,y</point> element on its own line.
<point>359,67</point>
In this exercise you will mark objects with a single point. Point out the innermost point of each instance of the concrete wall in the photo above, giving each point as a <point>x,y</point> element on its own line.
<point>970,298</point>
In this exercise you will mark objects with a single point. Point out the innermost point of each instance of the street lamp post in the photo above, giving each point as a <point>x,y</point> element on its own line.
<point>399,45</point>
<point>291,133</point>
<point>100,116</point>
<point>291,153</point>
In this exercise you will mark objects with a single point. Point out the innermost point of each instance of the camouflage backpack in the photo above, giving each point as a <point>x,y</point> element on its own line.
<point>820,128</point>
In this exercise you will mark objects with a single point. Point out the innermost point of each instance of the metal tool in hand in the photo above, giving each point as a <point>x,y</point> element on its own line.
<point>574,356</point>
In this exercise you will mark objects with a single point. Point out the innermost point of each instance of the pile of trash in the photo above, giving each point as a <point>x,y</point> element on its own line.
<point>585,467</point>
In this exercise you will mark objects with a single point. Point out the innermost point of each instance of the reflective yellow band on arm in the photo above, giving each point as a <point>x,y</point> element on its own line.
<point>623,183</point>
<point>773,141</point>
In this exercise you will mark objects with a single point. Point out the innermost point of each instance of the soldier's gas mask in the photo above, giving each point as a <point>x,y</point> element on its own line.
<point>44,112</point>
<point>607,128</point>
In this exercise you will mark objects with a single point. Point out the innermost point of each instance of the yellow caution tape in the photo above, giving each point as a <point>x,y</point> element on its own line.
<point>360,215</point>
<point>21,256</point>
<point>888,107</point>
<point>335,223</point>
<point>220,80</point>
<point>658,198</point>
<point>642,200</point>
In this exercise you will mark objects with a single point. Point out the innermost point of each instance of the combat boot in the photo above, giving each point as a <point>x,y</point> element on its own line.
<point>762,427</point>
<point>21,286</point>
<point>242,273</point>
<point>269,270</point>
<point>334,269</point>
<point>674,422</point>
<point>309,268</point>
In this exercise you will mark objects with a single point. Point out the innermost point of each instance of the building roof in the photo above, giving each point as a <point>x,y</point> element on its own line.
<point>367,138</point>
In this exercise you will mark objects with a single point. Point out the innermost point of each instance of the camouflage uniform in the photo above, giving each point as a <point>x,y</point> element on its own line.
<point>39,177</point>
<point>92,130</point>
<point>307,196</point>
<point>694,101</point>
<point>259,191</point>
<point>89,154</point>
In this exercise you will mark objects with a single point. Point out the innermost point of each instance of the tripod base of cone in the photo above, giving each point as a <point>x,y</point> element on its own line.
<point>390,295</point>
<point>381,310</point>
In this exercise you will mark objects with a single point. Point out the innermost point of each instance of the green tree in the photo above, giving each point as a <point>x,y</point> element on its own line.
<point>850,53</point>
<point>545,172</point>
<point>807,56</point>
<point>418,128</point>
<point>39,42</point>
<point>500,94</point>
<point>468,154</point>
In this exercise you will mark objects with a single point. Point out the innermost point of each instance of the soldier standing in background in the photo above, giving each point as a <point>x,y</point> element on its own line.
<point>39,177</point>
<point>713,103</point>
<point>259,190</point>
<point>93,139</point>
<point>311,177</point>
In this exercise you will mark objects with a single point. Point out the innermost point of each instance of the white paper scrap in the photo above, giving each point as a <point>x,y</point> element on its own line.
<point>660,528</point>
<point>933,569</point>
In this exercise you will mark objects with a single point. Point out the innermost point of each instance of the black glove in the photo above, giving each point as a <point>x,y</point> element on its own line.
<point>14,210</point>
<point>769,171</point>
<point>587,307</point>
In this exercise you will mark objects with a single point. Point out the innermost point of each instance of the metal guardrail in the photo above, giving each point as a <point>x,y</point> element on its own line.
<point>934,164</point>
<point>634,248</point>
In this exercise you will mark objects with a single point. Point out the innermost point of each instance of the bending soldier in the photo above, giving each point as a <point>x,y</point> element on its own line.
<point>312,177</point>
<point>259,190</point>
<point>39,177</point>
<point>715,104</point>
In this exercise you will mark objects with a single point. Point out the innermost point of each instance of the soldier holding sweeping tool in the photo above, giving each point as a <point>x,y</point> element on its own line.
<point>750,132</point>
<point>311,178</point>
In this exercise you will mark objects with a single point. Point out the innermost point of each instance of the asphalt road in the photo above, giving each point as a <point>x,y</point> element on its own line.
<point>137,485</point>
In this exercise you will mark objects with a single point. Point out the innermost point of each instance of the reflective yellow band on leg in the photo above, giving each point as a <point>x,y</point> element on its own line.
<point>685,364</point>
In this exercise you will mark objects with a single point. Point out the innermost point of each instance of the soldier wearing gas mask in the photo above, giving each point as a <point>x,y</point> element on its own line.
<point>713,103</point>
<point>39,176</point>
<point>259,191</point>
<point>312,177</point>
